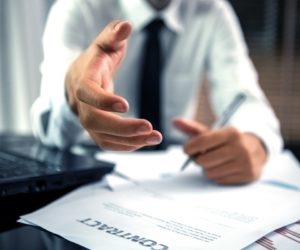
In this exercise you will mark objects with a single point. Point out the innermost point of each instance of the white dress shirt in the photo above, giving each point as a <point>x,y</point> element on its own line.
<point>201,37</point>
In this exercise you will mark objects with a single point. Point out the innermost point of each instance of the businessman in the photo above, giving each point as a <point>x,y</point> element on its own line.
<point>126,75</point>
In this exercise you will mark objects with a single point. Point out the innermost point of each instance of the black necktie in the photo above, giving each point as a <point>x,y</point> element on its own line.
<point>150,94</point>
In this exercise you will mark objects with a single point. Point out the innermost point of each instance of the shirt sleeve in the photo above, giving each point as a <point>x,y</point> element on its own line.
<point>231,72</point>
<point>53,121</point>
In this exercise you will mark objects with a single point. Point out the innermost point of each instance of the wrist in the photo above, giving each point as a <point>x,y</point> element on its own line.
<point>261,149</point>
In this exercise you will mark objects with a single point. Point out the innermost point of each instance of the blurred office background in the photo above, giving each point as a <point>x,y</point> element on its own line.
<point>21,27</point>
<point>271,28</point>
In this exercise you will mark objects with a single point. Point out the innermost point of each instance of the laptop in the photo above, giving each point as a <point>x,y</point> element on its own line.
<point>27,167</point>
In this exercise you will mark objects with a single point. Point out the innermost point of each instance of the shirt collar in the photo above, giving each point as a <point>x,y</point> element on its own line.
<point>140,13</point>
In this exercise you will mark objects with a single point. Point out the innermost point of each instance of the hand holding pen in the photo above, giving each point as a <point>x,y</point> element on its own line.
<point>224,118</point>
<point>226,155</point>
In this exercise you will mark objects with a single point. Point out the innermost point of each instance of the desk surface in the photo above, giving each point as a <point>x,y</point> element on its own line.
<point>15,236</point>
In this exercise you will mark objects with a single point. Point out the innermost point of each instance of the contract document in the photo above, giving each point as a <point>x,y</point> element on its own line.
<point>171,210</point>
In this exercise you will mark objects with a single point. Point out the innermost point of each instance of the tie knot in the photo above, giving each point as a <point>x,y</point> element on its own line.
<point>155,25</point>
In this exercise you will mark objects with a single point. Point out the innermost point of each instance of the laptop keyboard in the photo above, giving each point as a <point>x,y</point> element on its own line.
<point>15,165</point>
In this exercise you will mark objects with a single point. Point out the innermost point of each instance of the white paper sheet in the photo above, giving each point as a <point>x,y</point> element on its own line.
<point>145,165</point>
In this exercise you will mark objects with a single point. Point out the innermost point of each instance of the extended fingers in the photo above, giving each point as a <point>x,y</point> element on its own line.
<point>150,139</point>
<point>109,123</point>
<point>111,145</point>
<point>112,142</point>
<point>97,97</point>
<point>114,35</point>
<point>111,131</point>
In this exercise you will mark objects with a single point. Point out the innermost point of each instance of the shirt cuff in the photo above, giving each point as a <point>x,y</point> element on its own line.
<point>66,125</point>
<point>262,124</point>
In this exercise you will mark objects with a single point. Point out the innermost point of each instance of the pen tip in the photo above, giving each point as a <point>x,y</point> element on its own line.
<point>185,164</point>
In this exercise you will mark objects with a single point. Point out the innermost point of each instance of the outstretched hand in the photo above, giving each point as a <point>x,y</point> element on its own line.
<point>89,90</point>
<point>227,155</point>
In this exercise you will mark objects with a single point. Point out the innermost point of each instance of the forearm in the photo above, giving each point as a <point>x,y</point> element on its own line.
<point>231,71</point>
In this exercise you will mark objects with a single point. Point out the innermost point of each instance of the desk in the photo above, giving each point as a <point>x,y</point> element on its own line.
<point>15,236</point>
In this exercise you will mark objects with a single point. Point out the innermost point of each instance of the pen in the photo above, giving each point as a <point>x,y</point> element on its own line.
<point>224,118</point>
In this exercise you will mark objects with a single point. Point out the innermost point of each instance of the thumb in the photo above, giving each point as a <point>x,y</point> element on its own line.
<point>114,36</point>
<point>189,127</point>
